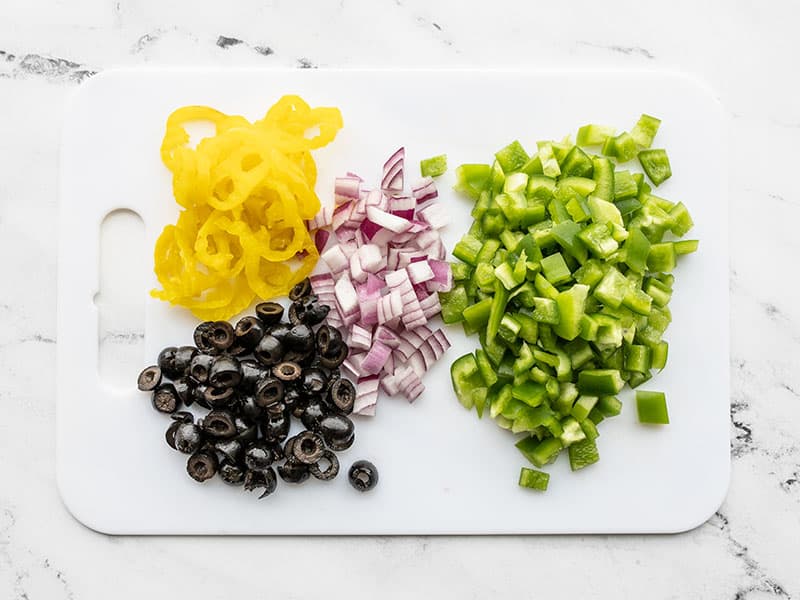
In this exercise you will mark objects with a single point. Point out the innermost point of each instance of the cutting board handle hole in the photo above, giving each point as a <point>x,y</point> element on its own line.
<point>120,301</point>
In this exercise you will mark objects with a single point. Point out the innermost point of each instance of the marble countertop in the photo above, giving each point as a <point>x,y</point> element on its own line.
<point>745,51</point>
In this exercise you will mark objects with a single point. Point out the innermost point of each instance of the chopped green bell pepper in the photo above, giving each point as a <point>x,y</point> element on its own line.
<point>652,407</point>
<point>656,164</point>
<point>535,480</point>
<point>473,179</point>
<point>600,382</point>
<point>645,130</point>
<point>582,454</point>
<point>434,166</point>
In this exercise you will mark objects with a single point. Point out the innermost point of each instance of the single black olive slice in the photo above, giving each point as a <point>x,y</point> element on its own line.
<point>276,428</point>
<point>182,416</point>
<point>166,362</point>
<point>340,445</point>
<point>258,456</point>
<point>293,471</point>
<point>300,290</point>
<point>314,381</point>
<point>200,367</point>
<point>300,338</point>
<point>264,480</point>
<point>219,424</point>
<point>248,332</point>
<point>334,360</point>
<point>169,435</point>
<point>269,391</point>
<point>226,372</point>
<point>252,371</point>
<point>329,340</point>
<point>269,351</point>
<point>200,391</point>
<point>230,449</point>
<point>202,336</point>
<point>308,447</point>
<point>313,413</point>
<point>287,371</point>
<point>231,473</point>
<point>343,395</point>
<point>326,468</point>
<point>247,430</point>
<point>248,408</point>
<point>297,313</point>
<point>316,313</point>
<point>363,475</point>
<point>184,387</point>
<point>202,465</point>
<point>335,428</point>
<point>165,398</point>
<point>183,358</point>
<point>221,336</point>
<point>219,397</point>
<point>149,379</point>
<point>275,409</point>
<point>270,313</point>
<point>279,331</point>
<point>188,438</point>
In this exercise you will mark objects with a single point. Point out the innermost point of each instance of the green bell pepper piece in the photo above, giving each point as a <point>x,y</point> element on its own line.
<point>498,307</point>
<point>637,379</point>
<point>541,187</point>
<point>661,257</point>
<point>508,329</point>
<point>568,235</point>
<point>465,377</point>
<point>622,147</point>
<point>482,205</point>
<point>590,429</point>
<point>530,392</point>
<point>624,186</point>
<point>545,311</point>
<point>582,185</point>
<point>533,166</point>
<point>597,238</point>
<point>579,352</point>
<point>572,432</point>
<point>484,277</point>
<point>477,315</point>
<point>558,210</point>
<point>594,135</point>
<point>485,367</point>
<point>453,304</point>
<point>656,164</point>
<point>571,306</point>
<point>681,218</point>
<point>538,452</point>
<point>582,454</point>
<point>473,179</point>
<point>434,166</point>
<point>645,130</point>
<point>583,406</point>
<point>555,269</point>
<point>604,176</point>
<point>499,399</point>
<point>515,182</point>
<point>549,163</point>
<point>637,301</point>
<point>544,288</point>
<point>612,288</point>
<point>542,233</point>
<point>600,382</point>
<point>467,249</point>
<point>590,273</point>
<point>685,247</point>
<point>528,327</point>
<point>524,361</point>
<point>461,271</point>
<point>637,249</point>
<point>659,355</point>
<point>638,358</point>
<point>609,406</point>
<point>577,163</point>
<point>652,407</point>
<point>512,157</point>
<point>534,480</point>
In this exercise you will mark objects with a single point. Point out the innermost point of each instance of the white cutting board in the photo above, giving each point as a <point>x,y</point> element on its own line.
<point>442,470</point>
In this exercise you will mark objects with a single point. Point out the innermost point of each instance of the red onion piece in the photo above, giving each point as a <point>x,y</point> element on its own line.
<point>435,215</point>
<point>321,237</point>
<point>360,337</point>
<point>335,258</point>
<point>424,190</point>
<point>419,272</point>
<point>393,171</point>
<point>375,359</point>
<point>346,189</point>
<point>366,395</point>
<point>387,220</point>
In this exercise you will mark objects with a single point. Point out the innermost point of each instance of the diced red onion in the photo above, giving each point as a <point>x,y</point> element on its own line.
<point>424,190</point>
<point>387,336</point>
<point>419,271</point>
<point>442,276</point>
<point>402,206</point>
<point>346,300</point>
<point>431,306</point>
<point>372,258</point>
<point>375,359</point>
<point>360,337</point>
<point>321,237</point>
<point>435,215</point>
<point>335,258</point>
<point>346,189</point>
<point>366,395</point>
<point>356,272</point>
<point>393,171</point>
<point>387,220</point>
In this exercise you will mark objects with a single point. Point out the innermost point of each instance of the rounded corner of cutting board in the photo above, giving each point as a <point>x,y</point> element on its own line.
<point>88,516</point>
<point>706,506</point>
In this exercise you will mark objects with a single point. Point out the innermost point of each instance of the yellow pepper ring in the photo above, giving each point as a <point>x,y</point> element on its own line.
<point>246,193</point>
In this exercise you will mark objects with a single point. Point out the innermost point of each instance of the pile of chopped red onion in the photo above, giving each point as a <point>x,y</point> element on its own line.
<point>386,267</point>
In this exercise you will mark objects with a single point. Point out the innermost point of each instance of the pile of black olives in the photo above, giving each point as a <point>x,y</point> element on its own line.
<point>252,378</point>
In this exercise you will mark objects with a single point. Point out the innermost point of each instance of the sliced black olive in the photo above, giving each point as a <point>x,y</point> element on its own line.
<point>313,413</point>
<point>202,465</point>
<point>219,424</point>
<point>165,398</point>
<point>316,313</point>
<point>275,409</point>
<point>293,472</point>
<point>202,336</point>
<point>300,338</point>
<point>246,430</point>
<point>288,447</point>
<point>335,428</point>
<point>308,447</point>
<point>188,438</point>
<point>229,449</point>
<point>248,407</point>
<point>363,475</point>
<point>276,428</point>
<point>182,416</point>
<point>333,375</point>
<point>200,391</point>
<point>304,359</point>
<point>252,371</point>
<point>264,480</point>
<point>200,367</point>
<point>219,397</point>
<point>334,360</point>
<point>231,473</point>
<point>258,456</point>
<point>277,450</point>
<point>183,358</point>
<point>279,331</point>
<point>149,379</point>
<point>300,290</point>
<point>291,397</point>
<point>340,445</point>
<point>170,433</point>
<point>326,468</point>
<point>269,351</point>
<point>226,372</point>
<point>221,336</point>
<point>329,340</point>
<point>287,371</point>
<point>269,313</point>
<point>166,362</point>
<point>248,332</point>
<point>185,390</point>
<point>269,391</point>
<point>343,395</point>
<point>314,381</point>
<point>297,313</point>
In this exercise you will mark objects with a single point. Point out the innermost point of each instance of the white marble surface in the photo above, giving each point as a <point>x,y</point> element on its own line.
<point>746,50</point>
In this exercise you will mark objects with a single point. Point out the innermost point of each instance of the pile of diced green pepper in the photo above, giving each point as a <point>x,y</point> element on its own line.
<point>565,276</point>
